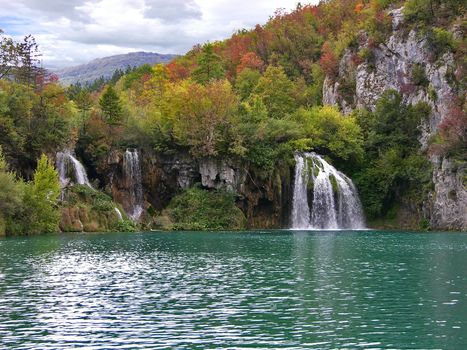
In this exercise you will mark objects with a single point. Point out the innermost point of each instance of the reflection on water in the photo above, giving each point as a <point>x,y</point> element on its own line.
<point>207,290</point>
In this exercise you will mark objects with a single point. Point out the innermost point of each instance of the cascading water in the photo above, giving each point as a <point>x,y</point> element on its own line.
<point>132,170</point>
<point>323,198</point>
<point>70,170</point>
<point>119,214</point>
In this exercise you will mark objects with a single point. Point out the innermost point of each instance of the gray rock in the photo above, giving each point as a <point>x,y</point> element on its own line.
<point>391,69</point>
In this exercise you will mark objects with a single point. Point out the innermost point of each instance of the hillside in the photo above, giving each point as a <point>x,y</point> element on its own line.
<point>106,66</point>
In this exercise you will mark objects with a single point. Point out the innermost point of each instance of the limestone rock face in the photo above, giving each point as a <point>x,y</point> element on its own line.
<point>450,199</point>
<point>264,201</point>
<point>220,175</point>
<point>391,68</point>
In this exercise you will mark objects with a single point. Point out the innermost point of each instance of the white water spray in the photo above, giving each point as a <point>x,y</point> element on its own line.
<point>70,170</point>
<point>333,196</point>
<point>132,170</point>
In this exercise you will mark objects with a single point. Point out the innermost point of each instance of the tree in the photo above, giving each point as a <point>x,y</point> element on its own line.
<point>84,104</point>
<point>209,66</point>
<point>19,59</point>
<point>41,196</point>
<point>203,116</point>
<point>331,133</point>
<point>111,107</point>
<point>277,92</point>
<point>11,193</point>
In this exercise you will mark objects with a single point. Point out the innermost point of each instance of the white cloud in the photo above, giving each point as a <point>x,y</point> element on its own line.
<point>74,31</point>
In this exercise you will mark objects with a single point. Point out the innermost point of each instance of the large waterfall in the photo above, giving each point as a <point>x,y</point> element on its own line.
<point>132,169</point>
<point>70,170</point>
<point>323,197</point>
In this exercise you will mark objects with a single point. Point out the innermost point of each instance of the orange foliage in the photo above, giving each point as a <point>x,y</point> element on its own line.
<point>359,8</point>
<point>250,60</point>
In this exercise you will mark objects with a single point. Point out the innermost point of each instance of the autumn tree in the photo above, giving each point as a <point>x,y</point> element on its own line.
<point>204,116</point>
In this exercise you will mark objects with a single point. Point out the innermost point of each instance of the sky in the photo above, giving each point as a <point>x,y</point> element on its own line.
<point>71,32</point>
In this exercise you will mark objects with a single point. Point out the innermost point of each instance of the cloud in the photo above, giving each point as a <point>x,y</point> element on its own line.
<point>71,32</point>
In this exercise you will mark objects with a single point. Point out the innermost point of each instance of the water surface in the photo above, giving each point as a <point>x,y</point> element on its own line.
<point>293,289</point>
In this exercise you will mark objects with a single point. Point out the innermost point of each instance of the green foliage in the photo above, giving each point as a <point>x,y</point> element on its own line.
<point>11,195</point>
<point>418,10</point>
<point>441,40</point>
<point>209,66</point>
<point>331,133</point>
<point>97,200</point>
<point>198,209</point>
<point>246,82</point>
<point>111,107</point>
<point>277,92</point>
<point>41,214</point>
<point>394,169</point>
<point>126,226</point>
<point>418,75</point>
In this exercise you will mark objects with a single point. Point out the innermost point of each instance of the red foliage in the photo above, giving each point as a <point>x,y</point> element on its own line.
<point>454,127</point>
<point>236,48</point>
<point>328,61</point>
<point>177,71</point>
<point>250,60</point>
<point>452,130</point>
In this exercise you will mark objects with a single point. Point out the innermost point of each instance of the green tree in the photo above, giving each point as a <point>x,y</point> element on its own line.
<point>277,92</point>
<point>331,133</point>
<point>246,81</point>
<point>11,194</point>
<point>209,66</point>
<point>84,104</point>
<point>111,107</point>
<point>41,196</point>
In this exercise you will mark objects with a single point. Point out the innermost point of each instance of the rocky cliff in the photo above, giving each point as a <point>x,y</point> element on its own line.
<point>391,65</point>
<point>265,201</point>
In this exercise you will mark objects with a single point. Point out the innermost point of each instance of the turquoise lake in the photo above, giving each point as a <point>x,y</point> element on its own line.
<point>272,289</point>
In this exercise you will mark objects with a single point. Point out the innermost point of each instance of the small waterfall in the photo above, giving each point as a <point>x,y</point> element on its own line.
<point>70,170</point>
<point>119,214</point>
<point>132,170</point>
<point>334,199</point>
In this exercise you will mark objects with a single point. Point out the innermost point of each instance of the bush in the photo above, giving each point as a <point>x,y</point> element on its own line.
<point>198,209</point>
<point>418,75</point>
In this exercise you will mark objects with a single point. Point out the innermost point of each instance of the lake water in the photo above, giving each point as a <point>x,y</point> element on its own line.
<point>285,289</point>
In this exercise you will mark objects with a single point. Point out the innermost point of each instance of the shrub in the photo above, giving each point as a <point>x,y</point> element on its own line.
<point>198,209</point>
<point>418,75</point>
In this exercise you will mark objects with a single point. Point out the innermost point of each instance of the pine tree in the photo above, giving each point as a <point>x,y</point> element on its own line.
<point>209,66</point>
<point>111,107</point>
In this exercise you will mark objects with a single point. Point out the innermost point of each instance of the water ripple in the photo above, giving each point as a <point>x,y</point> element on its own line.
<point>287,290</point>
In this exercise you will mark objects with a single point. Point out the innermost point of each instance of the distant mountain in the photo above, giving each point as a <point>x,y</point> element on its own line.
<point>106,66</point>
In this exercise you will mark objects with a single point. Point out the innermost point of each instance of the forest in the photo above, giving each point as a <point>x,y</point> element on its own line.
<point>256,98</point>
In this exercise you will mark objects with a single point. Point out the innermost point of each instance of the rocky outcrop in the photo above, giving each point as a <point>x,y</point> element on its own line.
<point>449,208</point>
<point>391,66</point>
<point>264,201</point>
<point>219,174</point>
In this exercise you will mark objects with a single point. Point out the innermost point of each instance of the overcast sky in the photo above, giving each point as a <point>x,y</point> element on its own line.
<point>71,32</point>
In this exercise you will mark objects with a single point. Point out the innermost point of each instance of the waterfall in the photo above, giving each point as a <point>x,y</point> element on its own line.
<point>323,197</point>
<point>70,170</point>
<point>119,214</point>
<point>132,172</point>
